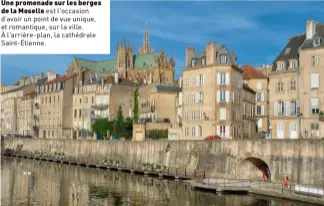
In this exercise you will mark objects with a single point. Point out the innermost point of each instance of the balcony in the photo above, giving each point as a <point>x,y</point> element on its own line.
<point>100,106</point>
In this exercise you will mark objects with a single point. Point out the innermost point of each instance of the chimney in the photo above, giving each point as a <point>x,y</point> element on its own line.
<point>116,78</point>
<point>310,28</point>
<point>211,53</point>
<point>190,53</point>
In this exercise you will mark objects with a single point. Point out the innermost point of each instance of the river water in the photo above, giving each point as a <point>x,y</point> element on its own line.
<point>31,182</point>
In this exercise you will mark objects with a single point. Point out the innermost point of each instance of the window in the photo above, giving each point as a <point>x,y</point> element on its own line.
<point>79,112</point>
<point>75,113</point>
<point>314,81</point>
<point>314,130</point>
<point>194,100</point>
<point>293,84</point>
<point>223,59</point>
<point>222,131</point>
<point>201,97</point>
<point>193,62</point>
<point>186,131</point>
<point>186,115</point>
<point>281,66</point>
<point>293,64</point>
<point>193,114</point>
<point>314,60</point>
<point>80,100</point>
<point>187,82</point>
<point>203,60</point>
<point>199,131</point>
<point>200,114</point>
<point>281,108</point>
<point>280,86</point>
<point>187,98</point>
<point>193,131</point>
<point>259,97</point>
<point>201,79</point>
<point>293,108</point>
<point>287,50</point>
<point>316,42</point>
<point>222,113</point>
<point>193,83</point>
<point>222,78</point>
<point>222,96</point>
<point>58,98</point>
<point>258,110</point>
<point>315,105</point>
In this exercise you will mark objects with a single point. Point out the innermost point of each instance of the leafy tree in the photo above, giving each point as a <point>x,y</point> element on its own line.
<point>128,124</point>
<point>136,110</point>
<point>119,129</point>
<point>101,126</point>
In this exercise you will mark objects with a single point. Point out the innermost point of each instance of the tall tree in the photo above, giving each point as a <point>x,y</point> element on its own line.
<point>136,110</point>
<point>119,129</point>
<point>101,126</point>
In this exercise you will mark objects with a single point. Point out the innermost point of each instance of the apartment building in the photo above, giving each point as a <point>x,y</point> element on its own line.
<point>212,94</point>
<point>311,93</point>
<point>295,92</point>
<point>157,103</point>
<point>55,106</point>
<point>11,101</point>
<point>249,119</point>
<point>100,97</point>
<point>25,114</point>
<point>258,81</point>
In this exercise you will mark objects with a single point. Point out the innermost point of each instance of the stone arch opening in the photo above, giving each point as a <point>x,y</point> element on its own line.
<point>252,168</point>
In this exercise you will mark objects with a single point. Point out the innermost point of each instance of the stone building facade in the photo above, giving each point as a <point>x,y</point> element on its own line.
<point>249,118</point>
<point>296,100</point>
<point>212,94</point>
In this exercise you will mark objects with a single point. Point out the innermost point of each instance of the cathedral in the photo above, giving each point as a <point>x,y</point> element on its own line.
<point>145,67</point>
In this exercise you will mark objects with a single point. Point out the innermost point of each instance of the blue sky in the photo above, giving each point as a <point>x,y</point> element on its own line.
<point>255,31</point>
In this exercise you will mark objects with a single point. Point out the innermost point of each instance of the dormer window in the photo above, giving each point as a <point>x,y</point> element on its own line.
<point>203,61</point>
<point>293,64</point>
<point>316,42</point>
<point>223,58</point>
<point>281,66</point>
<point>287,50</point>
<point>193,62</point>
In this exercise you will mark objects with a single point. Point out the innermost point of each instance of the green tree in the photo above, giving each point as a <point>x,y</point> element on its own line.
<point>101,126</point>
<point>119,129</point>
<point>128,124</point>
<point>136,110</point>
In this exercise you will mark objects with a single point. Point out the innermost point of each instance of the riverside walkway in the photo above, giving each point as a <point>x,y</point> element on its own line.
<point>296,192</point>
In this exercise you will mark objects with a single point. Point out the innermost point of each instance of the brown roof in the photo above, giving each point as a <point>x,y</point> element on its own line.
<point>60,79</point>
<point>29,95</point>
<point>250,72</point>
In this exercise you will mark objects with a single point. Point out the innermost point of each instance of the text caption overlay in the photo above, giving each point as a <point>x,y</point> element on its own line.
<point>55,27</point>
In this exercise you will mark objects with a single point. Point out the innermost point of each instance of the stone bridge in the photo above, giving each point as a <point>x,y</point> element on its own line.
<point>301,160</point>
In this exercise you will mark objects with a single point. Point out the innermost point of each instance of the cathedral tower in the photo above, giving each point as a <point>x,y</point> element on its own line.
<point>145,49</point>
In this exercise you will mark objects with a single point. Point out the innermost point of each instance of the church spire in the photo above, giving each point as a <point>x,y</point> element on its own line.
<point>145,49</point>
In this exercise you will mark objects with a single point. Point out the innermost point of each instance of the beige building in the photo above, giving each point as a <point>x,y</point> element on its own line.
<point>55,106</point>
<point>100,97</point>
<point>257,81</point>
<point>175,133</point>
<point>295,90</point>
<point>145,66</point>
<point>25,114</point>
<point>249,119</point>
<point>212,94</point>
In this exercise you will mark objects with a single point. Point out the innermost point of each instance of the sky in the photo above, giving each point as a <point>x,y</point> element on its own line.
<point>255,31</point>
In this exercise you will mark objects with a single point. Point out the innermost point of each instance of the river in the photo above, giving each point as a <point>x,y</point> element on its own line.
<point>31,182</point>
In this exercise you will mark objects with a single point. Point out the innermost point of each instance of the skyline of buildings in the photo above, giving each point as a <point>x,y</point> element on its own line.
<point>214,96</point>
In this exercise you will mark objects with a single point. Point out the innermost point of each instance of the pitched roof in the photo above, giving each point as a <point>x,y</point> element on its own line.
<point>246,87</point>
<point>319,33</point>
<point>250,72</point>
<point>140,61</point>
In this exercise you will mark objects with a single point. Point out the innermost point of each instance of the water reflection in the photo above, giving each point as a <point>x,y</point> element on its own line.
<point>30,182</point>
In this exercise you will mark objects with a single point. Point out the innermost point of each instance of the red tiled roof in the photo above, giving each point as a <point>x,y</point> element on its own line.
<point>250,72</point>
<point>60,79</point>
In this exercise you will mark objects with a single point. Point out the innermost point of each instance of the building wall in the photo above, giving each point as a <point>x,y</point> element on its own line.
<point>301,160</point>
<point>26,116</point>
<point>260,86</point>
<point>249,120</point>
<point>284,125</point>
<point>307,93</point>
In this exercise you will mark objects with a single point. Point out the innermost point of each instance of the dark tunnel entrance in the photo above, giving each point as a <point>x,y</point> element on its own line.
<point>253,168</point>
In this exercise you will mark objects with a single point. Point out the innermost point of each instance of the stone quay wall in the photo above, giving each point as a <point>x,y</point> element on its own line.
<point>301,160</point>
